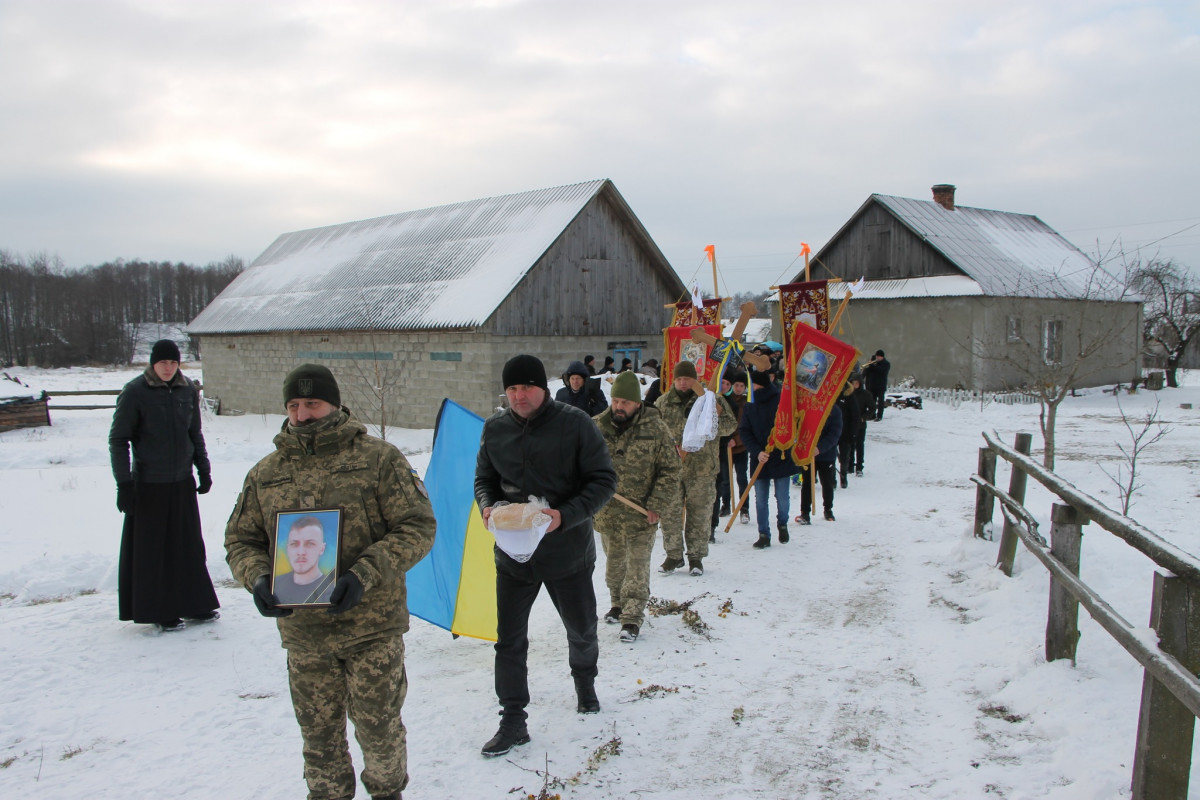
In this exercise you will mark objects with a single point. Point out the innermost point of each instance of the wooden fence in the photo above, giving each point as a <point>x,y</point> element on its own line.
<point>1170,688</point>
<point>84,393</point>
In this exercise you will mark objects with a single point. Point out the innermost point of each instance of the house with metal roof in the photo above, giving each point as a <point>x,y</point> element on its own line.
<point>978,299</point>
<point>413,307</point>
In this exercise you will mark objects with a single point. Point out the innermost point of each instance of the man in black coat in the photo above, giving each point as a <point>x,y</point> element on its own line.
<point>851,426</point>
<point>581,390</point>
<point>542,448</point>
<point>162,577</point>
<point>875,375</point>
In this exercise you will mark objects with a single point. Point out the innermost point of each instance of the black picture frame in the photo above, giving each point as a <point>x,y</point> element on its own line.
<point>299,548</point>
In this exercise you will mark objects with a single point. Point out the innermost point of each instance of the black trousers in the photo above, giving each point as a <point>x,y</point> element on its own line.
<point>574,598</point>
<point>740,462</point>
<point>827,474</point>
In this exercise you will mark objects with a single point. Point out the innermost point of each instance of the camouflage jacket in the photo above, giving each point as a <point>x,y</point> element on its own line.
<point>647,467</point>
<point>387,526</point>
<point>675,410</point>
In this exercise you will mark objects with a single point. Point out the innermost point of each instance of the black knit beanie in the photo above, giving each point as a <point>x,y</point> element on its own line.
<point>311,380</point>
<point>524,369</point>
<point>761,378</point>
<point>164,350</point>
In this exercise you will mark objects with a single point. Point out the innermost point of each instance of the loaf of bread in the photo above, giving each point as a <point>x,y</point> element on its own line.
<point>515,516</point>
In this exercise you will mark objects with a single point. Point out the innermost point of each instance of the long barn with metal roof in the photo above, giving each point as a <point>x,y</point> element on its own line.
<point>409,308</point>
<point>975,298</point>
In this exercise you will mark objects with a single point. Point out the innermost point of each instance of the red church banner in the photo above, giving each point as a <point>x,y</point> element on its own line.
<point>710,314</point>
<point>678,346</point>
<point>818,366</point>
<point>803,303</point>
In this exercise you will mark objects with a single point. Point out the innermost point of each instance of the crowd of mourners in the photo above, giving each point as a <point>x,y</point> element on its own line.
<point>616,465</point>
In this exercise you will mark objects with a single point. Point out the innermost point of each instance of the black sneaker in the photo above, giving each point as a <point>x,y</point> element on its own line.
<point>858,473</point>
<point>588,703</point>
<point>803,519</point>
<point>829,517</point>
<point>845,483</point>
<point>211,616</point>
<point>670,565</point>
<point>505,739</point>
<point>764,540</point>
<point>166,626</point>
<point>613,616</point>
<point>629,632</point>
<point>724,510</point>
<point>744,518</point>
<point>783,534</point>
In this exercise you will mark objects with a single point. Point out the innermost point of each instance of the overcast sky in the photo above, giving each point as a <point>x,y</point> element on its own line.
<point>189,131</point>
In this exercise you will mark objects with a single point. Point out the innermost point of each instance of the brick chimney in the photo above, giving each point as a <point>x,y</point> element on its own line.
<point>943,195</point>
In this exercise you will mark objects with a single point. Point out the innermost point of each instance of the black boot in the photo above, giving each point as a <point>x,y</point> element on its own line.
<point>586,694</point>
<point>764,540</point>
<point>783,534</point>
<point>508,737</point>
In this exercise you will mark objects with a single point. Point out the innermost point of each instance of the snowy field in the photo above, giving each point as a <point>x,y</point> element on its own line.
<point>880,656</point>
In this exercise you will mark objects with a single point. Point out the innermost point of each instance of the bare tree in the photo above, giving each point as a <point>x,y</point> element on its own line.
<point>1151,431</point>
<point>1172,310</point>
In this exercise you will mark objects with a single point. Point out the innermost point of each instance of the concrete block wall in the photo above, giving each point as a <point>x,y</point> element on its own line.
<point>246,371</point>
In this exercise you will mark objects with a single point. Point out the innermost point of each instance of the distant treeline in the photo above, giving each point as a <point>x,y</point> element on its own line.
<point>51,316</point>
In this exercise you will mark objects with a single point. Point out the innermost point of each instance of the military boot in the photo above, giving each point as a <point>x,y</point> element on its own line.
<point>671,564</point>
<point>508,737</point>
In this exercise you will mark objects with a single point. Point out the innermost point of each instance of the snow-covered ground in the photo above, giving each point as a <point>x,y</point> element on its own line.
<point>880,656</point>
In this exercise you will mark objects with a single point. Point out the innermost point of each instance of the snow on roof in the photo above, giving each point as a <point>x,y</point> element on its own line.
<point>1007,254</point>
<point>757,330</point>
<point>940,286</point>
<point>444,267</point>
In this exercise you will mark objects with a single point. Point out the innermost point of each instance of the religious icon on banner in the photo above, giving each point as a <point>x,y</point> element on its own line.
<point>812,367</point>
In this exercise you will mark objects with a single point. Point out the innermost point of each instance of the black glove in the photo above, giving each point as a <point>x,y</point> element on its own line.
<point>346,594</point>
<point>268,604</point>
<point>205,483</point>
<point>125,496</point>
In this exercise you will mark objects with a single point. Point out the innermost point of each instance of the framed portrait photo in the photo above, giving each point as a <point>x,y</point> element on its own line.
<point>308,545</point>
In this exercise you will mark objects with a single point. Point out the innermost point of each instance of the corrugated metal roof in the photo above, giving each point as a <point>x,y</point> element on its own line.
<point>1008,254</point>
<point>444,267</point>
<point>939,286</point>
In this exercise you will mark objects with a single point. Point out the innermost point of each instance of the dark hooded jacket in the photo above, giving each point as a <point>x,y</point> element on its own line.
<point>758,418</point>
<point>556,454</point>
<point>590,398</point>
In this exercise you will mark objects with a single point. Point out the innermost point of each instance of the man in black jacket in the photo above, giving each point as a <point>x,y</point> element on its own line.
<point>875,375</point>
<point>542,448</point>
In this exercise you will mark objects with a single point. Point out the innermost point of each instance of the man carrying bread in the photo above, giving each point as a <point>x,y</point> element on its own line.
<point>540,447</point>
<point>647,465</point>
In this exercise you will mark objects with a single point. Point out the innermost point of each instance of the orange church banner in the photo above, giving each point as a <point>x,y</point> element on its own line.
<point>818,366</point>
<point>678,346</point>
<point>803,303</point>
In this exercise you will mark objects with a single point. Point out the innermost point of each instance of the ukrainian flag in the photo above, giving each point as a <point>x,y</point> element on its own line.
<point>454,587</point>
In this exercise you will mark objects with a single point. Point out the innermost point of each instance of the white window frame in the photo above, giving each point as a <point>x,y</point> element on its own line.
<point>1052,341</point>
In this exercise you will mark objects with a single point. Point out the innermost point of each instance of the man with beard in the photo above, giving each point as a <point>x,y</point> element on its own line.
<point>698,477</point>
<point>643,454</point>
<point>348,658</point>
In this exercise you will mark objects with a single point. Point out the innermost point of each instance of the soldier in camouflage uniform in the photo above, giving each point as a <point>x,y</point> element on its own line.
<point>698,477</point>
<point>348,657</point>
<point>643,454</point>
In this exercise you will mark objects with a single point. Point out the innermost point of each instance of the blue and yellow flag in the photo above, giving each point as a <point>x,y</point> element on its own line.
<point>454,587</point>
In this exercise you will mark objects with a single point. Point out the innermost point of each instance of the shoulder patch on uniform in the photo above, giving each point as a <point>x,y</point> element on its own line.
<point>419,484</point>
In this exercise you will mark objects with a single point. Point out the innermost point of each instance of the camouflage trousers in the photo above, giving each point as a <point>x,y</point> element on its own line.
<point>368,683</point>
<point>628,549</point>
<point>698,493</point>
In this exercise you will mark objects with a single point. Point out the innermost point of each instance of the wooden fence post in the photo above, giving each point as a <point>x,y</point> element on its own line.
<point>1163,758</point>
<point>1016,490</point>
<point>985,501</point>
<point>1062,624</point>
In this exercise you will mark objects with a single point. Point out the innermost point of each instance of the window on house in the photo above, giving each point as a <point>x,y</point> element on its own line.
<point>1014,329</point>
<point>1052,341</point>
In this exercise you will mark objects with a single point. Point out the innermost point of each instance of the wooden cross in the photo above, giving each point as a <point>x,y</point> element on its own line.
<point>748,310</point>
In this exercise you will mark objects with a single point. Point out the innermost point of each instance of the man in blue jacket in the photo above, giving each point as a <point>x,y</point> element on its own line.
<point>539,447</point>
